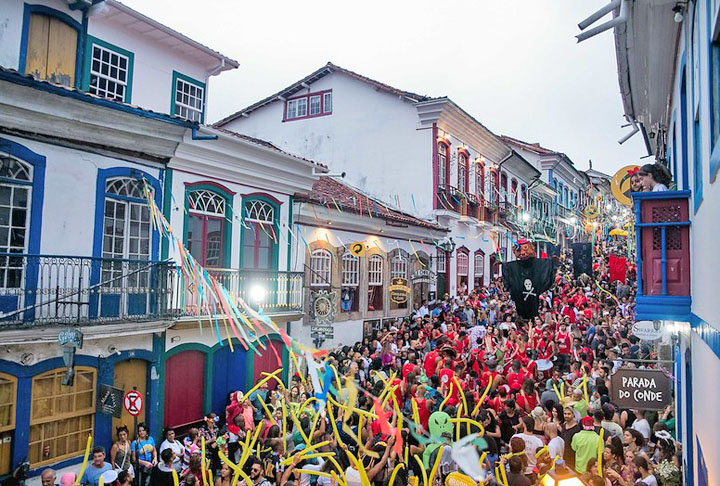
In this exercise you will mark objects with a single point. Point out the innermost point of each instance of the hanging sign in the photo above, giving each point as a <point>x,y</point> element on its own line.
<point>423,276</point>
<point>357,248</point>
<point>70,337</point>
<point>322,308</point>
<point>620,184</point>
<point>110,401</point>
<point>648,330</point>
<point>324,331</point>
<point>133,402</point>
<point>399,290</point>
<point>640,389</point>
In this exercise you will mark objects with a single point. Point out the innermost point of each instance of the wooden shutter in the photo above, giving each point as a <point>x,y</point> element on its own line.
<point>51,50</point>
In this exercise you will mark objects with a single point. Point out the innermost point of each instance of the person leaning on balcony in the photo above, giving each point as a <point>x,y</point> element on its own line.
<point>654,177</point>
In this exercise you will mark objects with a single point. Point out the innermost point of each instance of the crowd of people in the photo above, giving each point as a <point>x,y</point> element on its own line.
<point>462,386</point>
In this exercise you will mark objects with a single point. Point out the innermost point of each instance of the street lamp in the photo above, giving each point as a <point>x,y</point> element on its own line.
<point>561,476</point>
<point>526,216</point>
<point>257,293</point>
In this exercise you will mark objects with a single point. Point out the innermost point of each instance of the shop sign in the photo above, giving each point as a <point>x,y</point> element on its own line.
<point>325,332</point>
<point>70,337</point>
<point>357,248</point>
<point>399,290</point>
<point>648,330</point>
<point>110,401</point>
<point>322,308</point>
<point>640,389</point>
<point>423,276</point>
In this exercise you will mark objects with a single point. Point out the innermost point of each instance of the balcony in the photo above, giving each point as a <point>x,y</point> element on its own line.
<point>662,222</point>
<point>63,290</point>
<point>275,294</point>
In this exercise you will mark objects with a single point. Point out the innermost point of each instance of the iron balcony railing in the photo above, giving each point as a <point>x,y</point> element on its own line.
<point>268,292</point>
<point>54,289</point>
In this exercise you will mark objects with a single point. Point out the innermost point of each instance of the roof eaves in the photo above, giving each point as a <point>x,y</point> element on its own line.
<point>18,78</point>
<point>174,33</point>
<point>311,78</point>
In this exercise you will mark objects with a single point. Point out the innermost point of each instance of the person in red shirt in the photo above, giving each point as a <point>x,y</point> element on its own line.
<point>528,398</point>
<point>564,344</point>
<point>431,360</point>
<point>516,377</point>
<point>498,403</point>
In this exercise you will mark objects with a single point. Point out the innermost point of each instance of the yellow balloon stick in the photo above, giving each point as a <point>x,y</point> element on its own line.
<point>334,424</point>
<point>600,453</point>
<point>297,367</point>
<point>202,457</point>
<point>341,482</point>
<point>267,412</point>
<point>422,470</point>
<point>584,387</point>
<point>284,425</point>
<point>176,481</point>
<point>482,398</point>
<point>85,460</point>
<point>465,420</point>
<point>457,424</point>
<point>307,451</point>
<point>360,467</point>
<point>338,467</point>
<point>278,380</point>
<point>434,469</point>
<point>314,473</point>
<point>306,403</point>
<point>395,473</point>
<point>462,396</point>
<point>415,411</point>
<point>101,481</point>
<point>442,405</point>
<point>264,380</point>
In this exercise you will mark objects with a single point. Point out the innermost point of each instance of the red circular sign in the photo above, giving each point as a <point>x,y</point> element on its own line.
<point>133,402</point>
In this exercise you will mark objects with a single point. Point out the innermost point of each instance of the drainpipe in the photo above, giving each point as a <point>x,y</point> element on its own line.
<point>212,72</point>
<point>599,14</point>
<point>620,19</point>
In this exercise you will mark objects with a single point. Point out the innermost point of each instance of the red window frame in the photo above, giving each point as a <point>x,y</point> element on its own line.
<point>523,190</point>
<point>204,237</point>
<point>463,155</point>
<point>475,268</point>
<point>447,164</point>
<point>480,191</point>
<point>514,189</point>
<point>256,240</point>
<point>321,94</point>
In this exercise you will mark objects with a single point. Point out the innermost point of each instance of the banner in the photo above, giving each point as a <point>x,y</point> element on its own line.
<point>618,268</point>
<point>640,389</point>
<point>582,259</point>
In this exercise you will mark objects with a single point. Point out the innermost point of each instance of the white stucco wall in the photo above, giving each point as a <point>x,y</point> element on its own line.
<point>68,212</point>
<point>371,135</point>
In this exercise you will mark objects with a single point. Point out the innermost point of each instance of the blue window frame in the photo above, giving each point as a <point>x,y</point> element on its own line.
<point>684,129</point>
<point>697,163</point>
<point>31,10</point>
<point>714,92</point>
<point>188,98</point>
<point>108,70</point>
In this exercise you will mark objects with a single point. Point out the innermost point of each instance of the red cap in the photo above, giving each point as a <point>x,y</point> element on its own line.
<point>588,423</point>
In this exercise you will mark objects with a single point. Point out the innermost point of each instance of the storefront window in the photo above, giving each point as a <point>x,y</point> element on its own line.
<point>350,282</point>
<point>375,283</point>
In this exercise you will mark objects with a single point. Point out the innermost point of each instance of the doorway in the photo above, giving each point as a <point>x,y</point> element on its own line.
<point>130,374</point>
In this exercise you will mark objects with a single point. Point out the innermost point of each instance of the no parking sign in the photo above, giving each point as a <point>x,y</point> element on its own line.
<point>133,402</point>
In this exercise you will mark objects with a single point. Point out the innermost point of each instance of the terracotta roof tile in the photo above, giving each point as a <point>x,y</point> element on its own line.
<point>329,192</point>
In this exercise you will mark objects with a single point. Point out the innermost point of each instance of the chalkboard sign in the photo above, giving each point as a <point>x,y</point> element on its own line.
<point>640,389</point>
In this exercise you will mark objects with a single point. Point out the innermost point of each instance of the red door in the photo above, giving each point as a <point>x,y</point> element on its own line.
<point>184,388</point>
<point>268,362</point>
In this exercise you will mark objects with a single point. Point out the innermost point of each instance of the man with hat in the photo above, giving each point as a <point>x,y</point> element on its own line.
<point>585,444</point>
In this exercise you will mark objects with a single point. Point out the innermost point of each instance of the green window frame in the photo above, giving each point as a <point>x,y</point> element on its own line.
<point>252,229</point>
<point>227,220</point>
<point>188,97</point>
<point>108,69</point>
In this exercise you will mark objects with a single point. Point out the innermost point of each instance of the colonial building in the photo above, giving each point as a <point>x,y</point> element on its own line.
<point>454,170</point>
<point>91,301</point>
<point>371,263</point>
<point>670,94</point>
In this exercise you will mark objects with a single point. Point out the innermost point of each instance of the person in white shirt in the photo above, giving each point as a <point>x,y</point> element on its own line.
<point>176,446</point>
<point>641,424</point>
<point>532,442</point>
<point>641,468</point>
<point>556,444</point>
<point>654,177</point>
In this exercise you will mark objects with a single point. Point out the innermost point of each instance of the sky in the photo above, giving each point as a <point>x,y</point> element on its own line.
<point>514,65</point>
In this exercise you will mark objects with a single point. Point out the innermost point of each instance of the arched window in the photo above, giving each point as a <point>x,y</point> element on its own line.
<point>206,227</point>
<point>565,196</point>
<point>462,270</point>
<point>503,187</point>
<point>462,172</point>
<point>480,181</point>
<point>349,301</point>
<point>15,191</point>
<point>126,230</point>
<point>260,241</point>
<point>479,268</point>
<point>398,266</point>
<point>375,283</point>
<point>442,164</point>
<point>523,191</point>
<point>493,186</point>
<point>320,268</point>
<point>514,190</point>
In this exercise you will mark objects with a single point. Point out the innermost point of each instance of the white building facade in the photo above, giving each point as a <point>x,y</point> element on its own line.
<point>454,171</point>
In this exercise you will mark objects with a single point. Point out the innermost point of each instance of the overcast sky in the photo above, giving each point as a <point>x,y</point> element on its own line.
<point>513,64</point>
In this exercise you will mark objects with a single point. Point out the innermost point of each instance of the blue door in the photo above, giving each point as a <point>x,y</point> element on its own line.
<point>228,376</point>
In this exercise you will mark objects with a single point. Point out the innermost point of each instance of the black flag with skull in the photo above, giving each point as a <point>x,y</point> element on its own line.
<point>526,279</point>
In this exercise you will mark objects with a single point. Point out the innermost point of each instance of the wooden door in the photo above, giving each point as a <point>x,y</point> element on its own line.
<point>268,362</point>
<point>130,375</point>
<point>184,388</point>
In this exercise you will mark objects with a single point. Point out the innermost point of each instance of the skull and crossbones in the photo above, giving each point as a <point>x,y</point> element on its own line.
<point>530,290</point>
